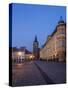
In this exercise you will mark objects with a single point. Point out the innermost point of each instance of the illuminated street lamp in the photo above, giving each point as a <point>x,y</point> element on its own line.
<point>20,55</point>
<point>31,56</point>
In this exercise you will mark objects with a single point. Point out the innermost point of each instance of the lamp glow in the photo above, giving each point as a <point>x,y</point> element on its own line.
<point>19,53</point>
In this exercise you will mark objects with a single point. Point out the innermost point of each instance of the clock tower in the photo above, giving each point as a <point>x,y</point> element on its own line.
<point>36,48</point>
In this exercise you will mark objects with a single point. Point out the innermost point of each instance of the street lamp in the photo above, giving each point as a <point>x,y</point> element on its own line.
<point>20,55</point>
<point>31,57</point>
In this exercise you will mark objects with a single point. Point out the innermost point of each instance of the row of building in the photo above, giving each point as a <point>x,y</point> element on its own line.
<point>20,54</point>
<point>53,49</point>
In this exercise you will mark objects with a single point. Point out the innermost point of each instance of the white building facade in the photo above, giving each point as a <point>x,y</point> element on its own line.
<point>55,46</point>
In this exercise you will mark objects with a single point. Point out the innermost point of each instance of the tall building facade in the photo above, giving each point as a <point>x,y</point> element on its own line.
<point>36,48</point>
<point>55,45</point>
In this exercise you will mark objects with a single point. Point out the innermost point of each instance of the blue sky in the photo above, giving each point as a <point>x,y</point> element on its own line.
<point>30,20</point>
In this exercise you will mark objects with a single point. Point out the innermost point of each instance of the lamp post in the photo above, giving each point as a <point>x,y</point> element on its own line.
<point>20,55</point>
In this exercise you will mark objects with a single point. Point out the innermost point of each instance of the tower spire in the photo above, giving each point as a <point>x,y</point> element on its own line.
<point>36,48</point>
<point>61,21</point>
<point>35,38</point>
<point>61,18</point>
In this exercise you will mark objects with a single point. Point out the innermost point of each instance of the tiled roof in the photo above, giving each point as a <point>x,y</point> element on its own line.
<point>27,52</point>
<point>22,49</point>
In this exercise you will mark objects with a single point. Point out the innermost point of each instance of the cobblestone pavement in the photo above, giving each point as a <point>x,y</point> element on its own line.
<point>56,71</point>
<point>26,73</point>
<point>37,73</point>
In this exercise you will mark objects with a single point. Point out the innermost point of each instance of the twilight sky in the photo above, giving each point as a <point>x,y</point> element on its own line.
<point>30,20</point>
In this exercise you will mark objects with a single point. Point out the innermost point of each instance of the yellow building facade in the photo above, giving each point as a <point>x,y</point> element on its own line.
<point>55,45</point>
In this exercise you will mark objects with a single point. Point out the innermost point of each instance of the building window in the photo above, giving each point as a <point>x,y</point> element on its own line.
<point>61,43</point>
<point>63,31</point>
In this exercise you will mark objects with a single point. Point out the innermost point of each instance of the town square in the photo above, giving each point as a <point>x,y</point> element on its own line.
<point>38,50</point>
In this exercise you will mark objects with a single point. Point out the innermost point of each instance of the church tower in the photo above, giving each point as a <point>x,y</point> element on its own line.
<point>36,48</point>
